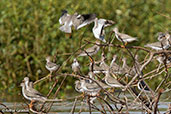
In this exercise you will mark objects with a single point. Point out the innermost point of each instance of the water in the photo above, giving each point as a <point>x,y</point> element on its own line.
<point>66,107</point>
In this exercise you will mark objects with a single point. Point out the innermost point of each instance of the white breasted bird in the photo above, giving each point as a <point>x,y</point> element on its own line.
<point>91,51</point>
<point>123,37</point>
<point>98,29</point>
<point>51,66</point>
<point>76,66</point>
<point>66,21</point>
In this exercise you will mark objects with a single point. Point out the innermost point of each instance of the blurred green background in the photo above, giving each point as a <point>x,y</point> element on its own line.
<point>29,33</point>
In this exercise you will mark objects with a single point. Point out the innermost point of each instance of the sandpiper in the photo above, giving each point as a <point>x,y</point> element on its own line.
<point>98,29</point>
<point>32,94</point>
<point>51,66</point>
<point>112,81</point>
<point>164,44</point>
<point>128,71</point>
<point>76,66</point>
<point>79,86</point>
<point>103,64</point>
<point>114,67</point>
<point>96,69</point>
<point>163,60</point>
<point>92,87</point>
<point>123,37</point>
<point>91,51</point>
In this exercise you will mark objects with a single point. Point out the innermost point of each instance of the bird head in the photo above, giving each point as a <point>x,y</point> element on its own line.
<point>115,30</point>
<point>48,59</point>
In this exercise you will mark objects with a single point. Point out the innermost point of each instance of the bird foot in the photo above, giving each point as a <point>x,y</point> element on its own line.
<point>124,46</point>
<point>82,95</point>
<point>112,90</point>
<point>31,104</point>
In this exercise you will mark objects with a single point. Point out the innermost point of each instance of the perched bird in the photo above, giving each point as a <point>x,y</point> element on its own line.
<point>66,21</point>
<point>91,51</point>
<point>30,93</point>
<point>89,88</point>
<point>103,64</point>
<point>123,37</point>
<point>112,81</point>
<point>114,67</point>
<point>163,60</point>
<point>163,43</point>
<point>76,67</point>
<point>98,29</point>
<point>96,69</point>
<point>92,87</point>
<point>51,66</point>
<point>128,71</point>
<point>33,95</point>
<point>81,20</point>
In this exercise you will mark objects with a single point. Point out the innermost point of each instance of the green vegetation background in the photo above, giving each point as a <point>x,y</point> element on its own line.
<point>29,32</point>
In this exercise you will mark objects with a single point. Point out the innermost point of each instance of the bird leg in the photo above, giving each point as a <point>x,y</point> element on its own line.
<point>123,46</point>
<point>31,104</point>
<point>83,95</point>
<point>91,59</point>
<point>50,76</point>
<point>112,90</point>
<point>69,35</point>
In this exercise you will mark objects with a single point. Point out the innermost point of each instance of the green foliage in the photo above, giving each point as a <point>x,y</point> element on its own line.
<point>29,32</point>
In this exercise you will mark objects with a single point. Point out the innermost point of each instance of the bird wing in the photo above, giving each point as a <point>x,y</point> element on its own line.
<point>126,37</point>
<point>66,29</point>
<point>86,19</point>
<point>51,65</point>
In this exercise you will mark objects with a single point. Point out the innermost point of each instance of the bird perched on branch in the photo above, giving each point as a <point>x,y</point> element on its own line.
<point>76,67</point>
<point>51,66</point>
<point>32,94</point>
<point>111,81</point>
<point>90,51</point>
<point>98,29</point>
<point>163,43</point>
<point>123,37</point>
<point>114,67</point>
